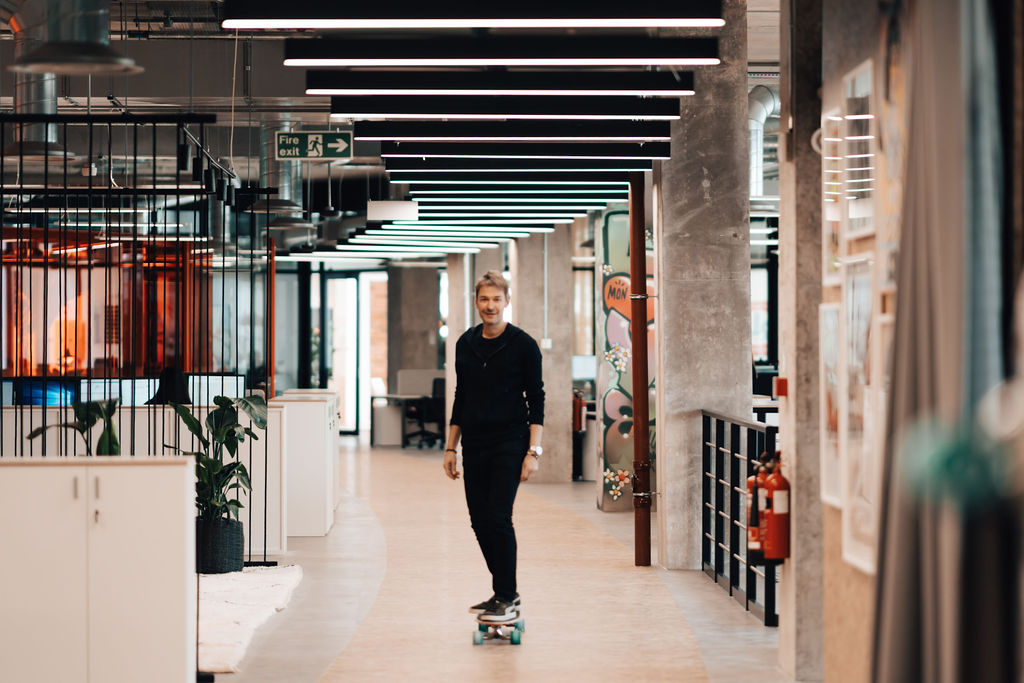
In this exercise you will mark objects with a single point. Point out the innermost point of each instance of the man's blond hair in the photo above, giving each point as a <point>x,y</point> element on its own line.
<point>492,278</point>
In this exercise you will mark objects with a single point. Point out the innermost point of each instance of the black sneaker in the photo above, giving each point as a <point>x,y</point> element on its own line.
<point>501,611</point>
<point>481,607</point>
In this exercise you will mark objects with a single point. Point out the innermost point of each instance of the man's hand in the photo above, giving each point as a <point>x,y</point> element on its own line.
<point>450,465</point>
<point>530,465</point>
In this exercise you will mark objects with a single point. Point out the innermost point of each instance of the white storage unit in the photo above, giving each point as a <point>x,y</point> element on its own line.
<point>329,395</point>
<point>311,435</point>
<point>98,581</point>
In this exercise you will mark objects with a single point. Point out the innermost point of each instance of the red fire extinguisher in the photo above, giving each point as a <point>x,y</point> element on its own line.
<point>756,501</point>
<point>776,537</point>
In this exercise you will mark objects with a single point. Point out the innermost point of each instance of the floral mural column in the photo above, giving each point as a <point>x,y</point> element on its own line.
<point>615,367</point>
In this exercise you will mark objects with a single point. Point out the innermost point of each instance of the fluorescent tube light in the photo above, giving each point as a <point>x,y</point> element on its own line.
<point>489,221</point>
<point>502,83</point>
<point>502,50</point>
<point>488,108</point>
<point>610,151</point>
<point>439,194</point>
<point>447,245</point>
<point>454,14</point>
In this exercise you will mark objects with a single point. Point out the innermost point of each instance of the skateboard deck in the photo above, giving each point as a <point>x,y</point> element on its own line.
<point>510,630</point>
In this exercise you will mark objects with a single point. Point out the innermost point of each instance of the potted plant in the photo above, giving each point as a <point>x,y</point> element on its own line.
<point>86,415</point>
<point>219,477</point>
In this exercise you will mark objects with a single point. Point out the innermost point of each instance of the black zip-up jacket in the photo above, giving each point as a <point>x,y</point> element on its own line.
<point>499,391</point>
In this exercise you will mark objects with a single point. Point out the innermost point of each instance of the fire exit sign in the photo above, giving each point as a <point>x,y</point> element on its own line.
<point>313,144</point>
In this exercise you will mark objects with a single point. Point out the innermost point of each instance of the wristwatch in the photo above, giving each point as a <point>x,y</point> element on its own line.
<point>535,451</point>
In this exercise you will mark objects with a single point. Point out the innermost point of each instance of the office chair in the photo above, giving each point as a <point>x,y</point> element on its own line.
<point>428,409</point>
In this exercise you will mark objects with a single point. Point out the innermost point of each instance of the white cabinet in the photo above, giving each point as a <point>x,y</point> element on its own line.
<point>98,580</point>
<point>311,435</point>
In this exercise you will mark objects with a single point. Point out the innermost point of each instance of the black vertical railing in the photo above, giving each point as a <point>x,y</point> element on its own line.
<point>730,452</point>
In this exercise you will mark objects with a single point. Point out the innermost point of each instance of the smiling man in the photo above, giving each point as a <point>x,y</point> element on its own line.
<point>498,415</point>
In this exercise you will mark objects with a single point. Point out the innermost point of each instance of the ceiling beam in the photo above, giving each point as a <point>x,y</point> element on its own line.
<point>581,108</point>
<point>503,50</point>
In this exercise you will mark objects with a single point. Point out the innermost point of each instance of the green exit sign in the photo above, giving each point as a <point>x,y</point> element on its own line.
<point>313,144</point>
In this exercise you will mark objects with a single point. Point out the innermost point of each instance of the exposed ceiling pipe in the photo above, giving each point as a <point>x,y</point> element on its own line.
<point>277,174</point>
<point>34,93</point>
<point>762,103</point>
<point>76,41</point>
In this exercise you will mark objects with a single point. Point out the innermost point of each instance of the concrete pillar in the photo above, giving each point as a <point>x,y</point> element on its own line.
<point>459,312</point>
<point>800,600</point>
<point>412,320</point>
<point>703,285</point>
<point>530,302</point>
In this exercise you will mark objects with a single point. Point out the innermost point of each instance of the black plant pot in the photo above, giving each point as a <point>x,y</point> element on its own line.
<point>219,545</point>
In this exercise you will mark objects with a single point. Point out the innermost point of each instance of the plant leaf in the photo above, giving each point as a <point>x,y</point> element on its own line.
<point>191,422</point>
<point>255,407</point>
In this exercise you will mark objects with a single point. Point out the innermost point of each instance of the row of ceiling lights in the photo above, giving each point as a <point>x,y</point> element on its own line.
<point>499,154</point>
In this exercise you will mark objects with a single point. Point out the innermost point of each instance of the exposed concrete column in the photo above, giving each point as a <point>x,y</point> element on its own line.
<point>527,263</point>
<point>412,320</point>
<point>703,285</point>
<point>459,313</point>
<point>801,630</point>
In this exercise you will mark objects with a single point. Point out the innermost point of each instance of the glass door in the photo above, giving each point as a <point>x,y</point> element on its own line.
<point>340,342</point>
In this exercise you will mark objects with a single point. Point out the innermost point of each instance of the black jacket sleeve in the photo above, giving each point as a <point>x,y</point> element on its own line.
<point>456,416</point>
<point>534,383</point>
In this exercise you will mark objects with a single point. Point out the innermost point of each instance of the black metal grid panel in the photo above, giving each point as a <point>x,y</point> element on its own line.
<point>729,452</point>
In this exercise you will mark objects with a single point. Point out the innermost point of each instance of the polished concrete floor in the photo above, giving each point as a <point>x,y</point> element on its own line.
<point>385,593</point>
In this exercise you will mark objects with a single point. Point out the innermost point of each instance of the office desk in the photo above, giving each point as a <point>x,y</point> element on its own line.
<point>397,402</point>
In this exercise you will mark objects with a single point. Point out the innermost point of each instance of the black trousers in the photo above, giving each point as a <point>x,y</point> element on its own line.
<point>492,480</point>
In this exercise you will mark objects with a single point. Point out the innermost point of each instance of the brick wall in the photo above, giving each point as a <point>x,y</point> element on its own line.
<point>379,330</point>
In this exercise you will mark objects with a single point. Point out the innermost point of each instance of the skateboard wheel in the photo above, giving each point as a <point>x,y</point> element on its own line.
<point>478,638</point>
<point>521,624</point>
<point>516,636</point>
<point>483,628</point>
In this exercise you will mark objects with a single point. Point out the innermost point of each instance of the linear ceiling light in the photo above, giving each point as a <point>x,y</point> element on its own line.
<point>578,108</point>
<point>317,257</point>
<point>454,233</point>
<point>513,230</point>
<point>516,202</point>
<point>488,209</point>
<point>513,131</point>
<point>627,151</point>
<point>401,250</point>
<point>407,14</point>
<point>414,179</point>
<point>502,214</point>
<point>489,221</point>
<point>505,83</point>
<point>520,166</point>
<point>447,245</point>
<point>493,194</point>
<point>507,50</point>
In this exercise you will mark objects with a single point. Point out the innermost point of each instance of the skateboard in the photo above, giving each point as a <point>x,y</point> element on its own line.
<point>511,630</point>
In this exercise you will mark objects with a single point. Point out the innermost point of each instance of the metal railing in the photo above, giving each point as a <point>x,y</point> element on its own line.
<point>730,448</point>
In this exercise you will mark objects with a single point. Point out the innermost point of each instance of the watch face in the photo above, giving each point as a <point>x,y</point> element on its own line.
<point>538,450</point>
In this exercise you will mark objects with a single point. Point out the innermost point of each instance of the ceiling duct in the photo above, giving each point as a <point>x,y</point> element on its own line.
<point>76,40</point>
<point>762,102</point>
<point>277,174</point>
<point>33,93</point>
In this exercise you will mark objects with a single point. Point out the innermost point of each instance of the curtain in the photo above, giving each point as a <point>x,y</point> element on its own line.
<point>945,592</point>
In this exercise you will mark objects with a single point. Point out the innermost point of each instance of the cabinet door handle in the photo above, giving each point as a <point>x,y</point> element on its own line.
<point>74,487</point>
<point>96,516</point>
<point>97,486</point>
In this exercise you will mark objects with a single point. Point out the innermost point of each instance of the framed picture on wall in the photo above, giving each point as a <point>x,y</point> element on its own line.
<point>828,411</point>
<point>859,152</point>
<point>888,253</point>
<point>833,202</point>
<point>858,453</point>
<point>885,326</point>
